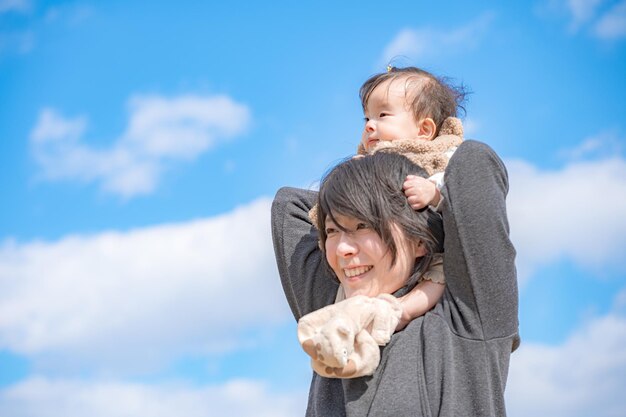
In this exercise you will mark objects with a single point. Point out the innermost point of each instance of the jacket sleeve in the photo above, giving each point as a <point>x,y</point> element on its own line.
<point>481,298</point>
<point>307,281</point>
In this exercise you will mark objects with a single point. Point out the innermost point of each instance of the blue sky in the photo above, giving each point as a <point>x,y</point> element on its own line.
<point>141,143</point>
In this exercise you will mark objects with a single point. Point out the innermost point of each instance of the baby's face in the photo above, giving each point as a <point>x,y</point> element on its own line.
<point>388,116</point>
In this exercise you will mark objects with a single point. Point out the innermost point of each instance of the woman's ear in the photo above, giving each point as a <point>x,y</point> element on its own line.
<point>427,129</point>
<point>420,250</point>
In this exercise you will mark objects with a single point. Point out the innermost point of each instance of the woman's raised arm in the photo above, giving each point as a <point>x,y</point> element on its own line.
<point>479,257</point>
<point>307,282</point>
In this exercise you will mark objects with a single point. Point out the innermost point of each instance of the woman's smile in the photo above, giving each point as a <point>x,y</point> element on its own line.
<point>356,271</point>
<point>362,261</point>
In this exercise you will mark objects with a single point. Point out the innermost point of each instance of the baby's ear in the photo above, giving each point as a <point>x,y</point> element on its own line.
<point>427,129</point>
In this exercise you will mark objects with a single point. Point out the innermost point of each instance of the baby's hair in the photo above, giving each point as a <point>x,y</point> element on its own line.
<point>429,96</point>
<point>370,189</point>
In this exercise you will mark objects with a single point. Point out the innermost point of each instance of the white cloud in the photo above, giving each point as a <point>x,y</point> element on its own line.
<point>471,127</point>
<point>52,127</point>
<point>160,132</point>
<point>603,145</point>
<point>15,5</point>
<point>576,213</point>
<point>129,301</point>
<point>620,302</point>
<point>71,14</point>
<point>21,42</point>
<point>582,10</point>
<point>585,376</point>
<point>409,42</point>
<point>417,43</point>
<point>603,19</point>
<point>612,25</point>
<point>41,397</point>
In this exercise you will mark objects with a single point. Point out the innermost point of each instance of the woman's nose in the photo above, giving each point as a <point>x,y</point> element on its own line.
<point>346,246</point>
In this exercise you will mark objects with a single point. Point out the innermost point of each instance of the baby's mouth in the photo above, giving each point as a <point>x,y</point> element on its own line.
<point>359,270</point>
<point>371,142</point>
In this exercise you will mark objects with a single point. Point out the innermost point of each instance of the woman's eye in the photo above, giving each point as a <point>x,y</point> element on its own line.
<point>362,226</point>
<point>330,230</point>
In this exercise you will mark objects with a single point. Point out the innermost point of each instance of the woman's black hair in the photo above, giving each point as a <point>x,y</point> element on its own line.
<point>369,189</point>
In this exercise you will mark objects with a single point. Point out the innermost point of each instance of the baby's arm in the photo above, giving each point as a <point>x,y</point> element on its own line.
<point>421,192</point>
<point>419,300</point>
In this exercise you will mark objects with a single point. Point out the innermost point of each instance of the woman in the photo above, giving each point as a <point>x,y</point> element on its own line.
<point>453,361</point>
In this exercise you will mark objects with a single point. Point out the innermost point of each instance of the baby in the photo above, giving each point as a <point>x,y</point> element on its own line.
<point>415,111</point>
<point>410,111</point>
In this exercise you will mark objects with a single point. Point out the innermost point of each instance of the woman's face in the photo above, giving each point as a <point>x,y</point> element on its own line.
<point>362,261</point>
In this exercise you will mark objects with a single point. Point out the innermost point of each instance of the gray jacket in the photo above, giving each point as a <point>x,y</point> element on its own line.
<point>454,360</point>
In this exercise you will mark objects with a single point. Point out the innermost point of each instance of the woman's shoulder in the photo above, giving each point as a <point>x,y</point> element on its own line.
<point>472,145</point>
<point>473,150</point>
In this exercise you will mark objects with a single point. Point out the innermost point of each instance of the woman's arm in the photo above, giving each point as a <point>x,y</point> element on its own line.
<point>479,262</point>
<point>308,284</point>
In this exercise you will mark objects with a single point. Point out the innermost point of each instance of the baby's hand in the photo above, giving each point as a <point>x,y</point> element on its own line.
<point>420,192</point>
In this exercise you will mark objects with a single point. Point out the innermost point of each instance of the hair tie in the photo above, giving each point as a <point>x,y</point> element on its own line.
<point>389,68</point>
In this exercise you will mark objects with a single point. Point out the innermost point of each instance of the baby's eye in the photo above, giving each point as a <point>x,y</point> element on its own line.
<point>383,114</point>
<point>366,119</point>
